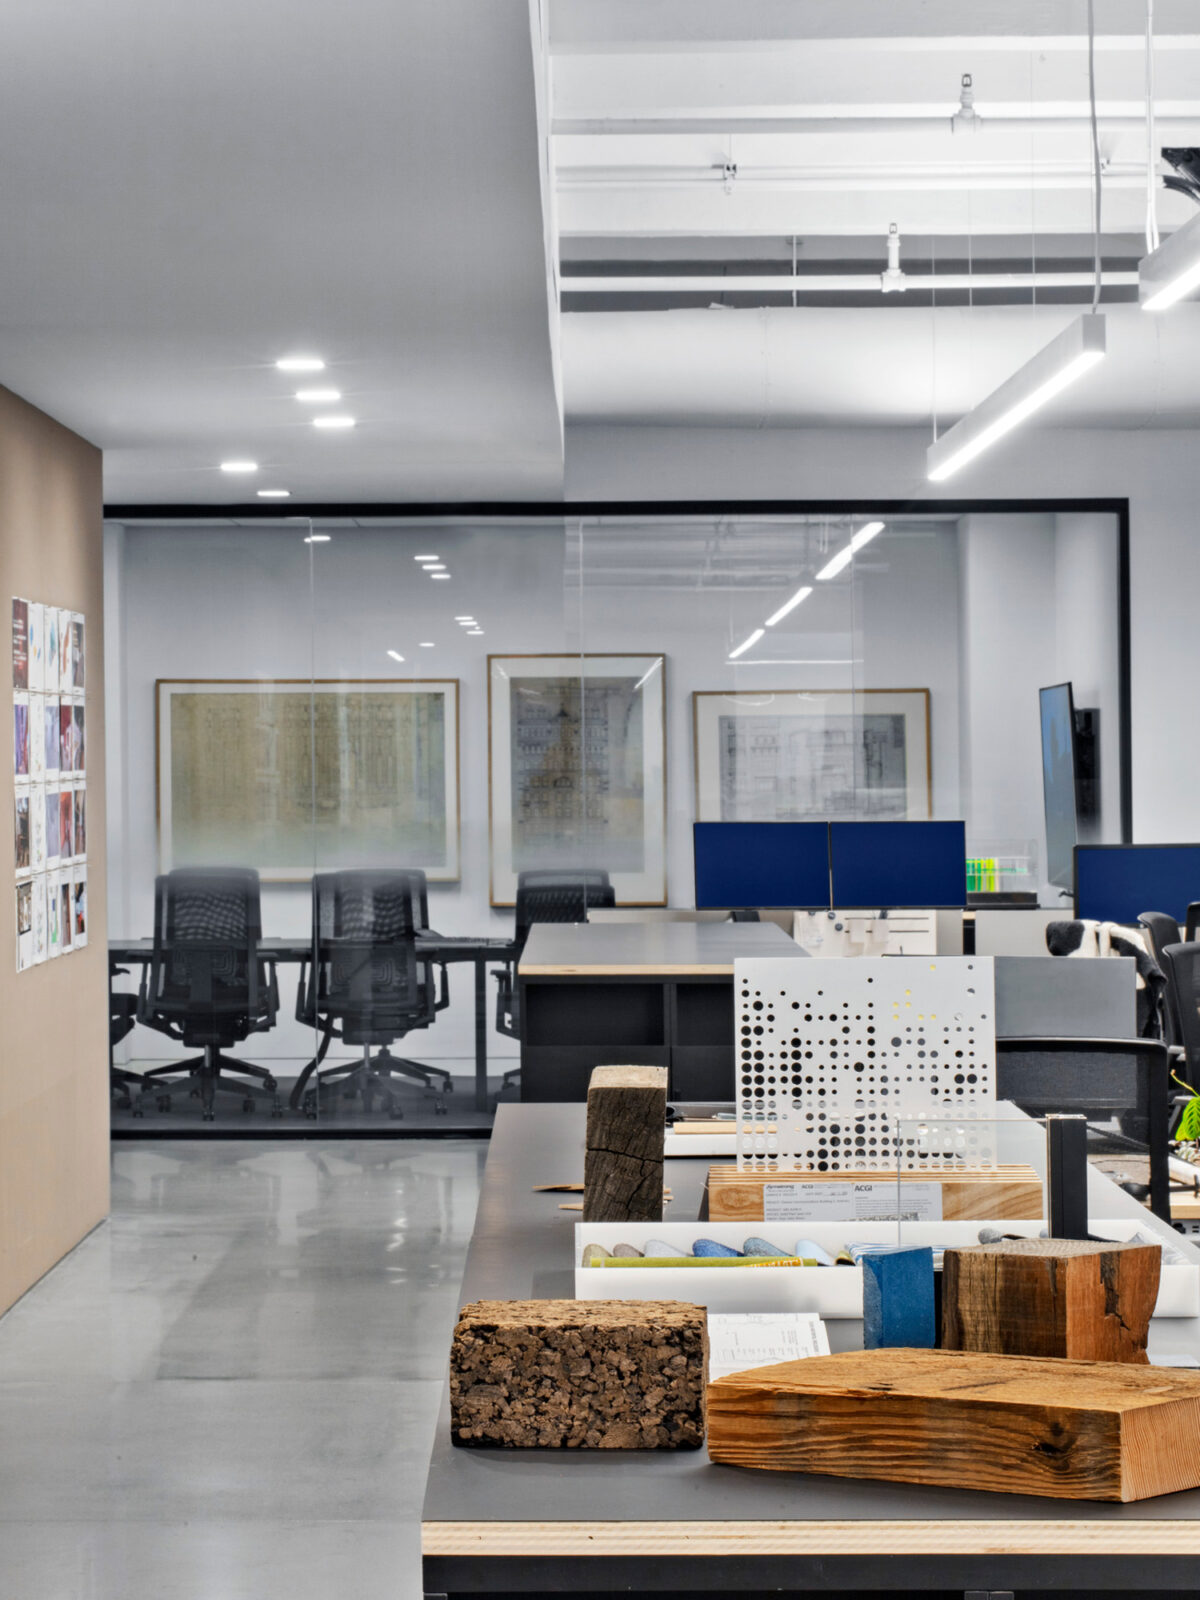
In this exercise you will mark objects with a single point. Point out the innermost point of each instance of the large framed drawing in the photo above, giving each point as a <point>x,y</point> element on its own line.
<point>784,755</point>
<point>577,770</point>
<point>292,777</point>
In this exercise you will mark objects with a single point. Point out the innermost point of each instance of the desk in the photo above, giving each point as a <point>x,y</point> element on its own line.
<point>547,1521</point>
<point>656,994</point>
<point>482,953</point>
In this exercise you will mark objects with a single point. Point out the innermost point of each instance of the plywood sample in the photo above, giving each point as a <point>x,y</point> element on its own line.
<point>984,1193</point>
<point>594,1374</point>
<point>1070,1430</point>
<point>1051,1297</point>
<point>623,1161</point>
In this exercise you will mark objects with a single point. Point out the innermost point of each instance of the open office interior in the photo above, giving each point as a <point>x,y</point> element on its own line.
<point>600,600</point>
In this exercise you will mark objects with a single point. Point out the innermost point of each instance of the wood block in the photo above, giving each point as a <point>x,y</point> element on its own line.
<point>1070,1430</point>
<point>623,1162</point>
<point>579,1374</point>
<point>1051,1297</point>
<point>968,1195</point>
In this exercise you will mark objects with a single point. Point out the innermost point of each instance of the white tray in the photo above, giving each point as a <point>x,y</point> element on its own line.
<point>832,1292</point>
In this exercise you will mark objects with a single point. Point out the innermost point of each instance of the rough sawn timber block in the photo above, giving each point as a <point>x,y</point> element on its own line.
<point>1070,1298</point>
<point>579,1374</point>
<point>626,1129</point>
<point>1069,1430</point>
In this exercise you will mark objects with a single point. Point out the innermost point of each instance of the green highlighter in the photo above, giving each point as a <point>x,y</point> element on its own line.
<point>706,1261</point>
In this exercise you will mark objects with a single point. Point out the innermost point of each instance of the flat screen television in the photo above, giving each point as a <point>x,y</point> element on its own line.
<point>898,865</point>
<point>1060,793</point>
<point>775,865</point>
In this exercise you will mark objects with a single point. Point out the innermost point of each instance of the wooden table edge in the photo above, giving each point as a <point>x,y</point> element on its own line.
<point>1047,1536</point>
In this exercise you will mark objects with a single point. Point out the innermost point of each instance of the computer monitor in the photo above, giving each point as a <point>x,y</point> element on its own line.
<point>886,865</point>
<point>1060,796</point>
<point>775,865</point>
<point>1117,882</point>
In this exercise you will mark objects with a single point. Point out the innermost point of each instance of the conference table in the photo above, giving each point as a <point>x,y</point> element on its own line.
<point>540,1522</point>
<point>436,947</point>
<point>642,993</point>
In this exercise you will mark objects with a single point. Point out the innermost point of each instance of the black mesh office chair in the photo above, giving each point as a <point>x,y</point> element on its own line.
<point>122,1019</point>
<point>365,985</point>
<point>1125,1079</point>
<point>207,983</point>
<point>1181,963</point>
<point>1162,930</point>
<point>544,896</point>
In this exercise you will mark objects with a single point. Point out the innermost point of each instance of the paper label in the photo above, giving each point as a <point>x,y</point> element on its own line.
<point>740,1340</point>
<point>851,1202</point>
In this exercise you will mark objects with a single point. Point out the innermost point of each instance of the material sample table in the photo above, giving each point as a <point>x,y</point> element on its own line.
<point>554,1522</point>
<point>657,994</point>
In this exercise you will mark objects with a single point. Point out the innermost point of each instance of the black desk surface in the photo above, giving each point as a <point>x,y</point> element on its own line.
<point>541,1520</point>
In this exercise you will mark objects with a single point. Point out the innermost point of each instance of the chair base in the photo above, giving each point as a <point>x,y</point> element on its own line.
<point>209,1075</point>
<point>375,1075</point>
<point>120,1082</point>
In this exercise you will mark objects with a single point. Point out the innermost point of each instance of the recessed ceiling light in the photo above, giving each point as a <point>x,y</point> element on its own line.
<point>273,494</point>
<point>436,575</point>
<point>318,396</point>
<point>333,422</point>
<point>464,619</point>
<point>426,644</point>
<point>474,632</point>
<point>318,538</point>
<point>426,558</point>
<point>395,655</point>
<point>433,566</point>
<point>239,466</point>
<point>300,364</point>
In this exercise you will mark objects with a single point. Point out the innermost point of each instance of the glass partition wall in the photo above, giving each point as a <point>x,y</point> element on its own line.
<point>396,722</point>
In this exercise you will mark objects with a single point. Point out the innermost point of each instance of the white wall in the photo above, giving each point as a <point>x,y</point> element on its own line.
<point>1157,470</point>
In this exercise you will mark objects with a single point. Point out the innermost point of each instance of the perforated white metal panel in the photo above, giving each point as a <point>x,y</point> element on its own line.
<point>832,1053</point>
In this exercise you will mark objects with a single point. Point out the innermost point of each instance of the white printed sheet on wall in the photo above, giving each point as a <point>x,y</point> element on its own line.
<point>49,765</point>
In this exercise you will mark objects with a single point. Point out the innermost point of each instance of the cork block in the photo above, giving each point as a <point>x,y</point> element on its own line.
<point>579,1374</point>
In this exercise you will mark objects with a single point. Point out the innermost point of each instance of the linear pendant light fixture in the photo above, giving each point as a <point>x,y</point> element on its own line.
<point>847,553</point>
<point>1079,346</point>
<point>1172,272</point>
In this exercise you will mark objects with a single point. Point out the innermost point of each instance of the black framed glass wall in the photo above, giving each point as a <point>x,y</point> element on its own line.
<point>474,693</point>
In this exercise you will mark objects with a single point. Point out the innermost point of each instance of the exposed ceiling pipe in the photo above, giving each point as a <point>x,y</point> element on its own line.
<point>840,180</point>
<point>833,282</point>
<point>1180,122</point>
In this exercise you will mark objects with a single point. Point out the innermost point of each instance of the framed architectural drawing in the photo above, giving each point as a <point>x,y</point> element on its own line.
<point>577,769</point>
<point>791,755</point>
<point>292,777</point>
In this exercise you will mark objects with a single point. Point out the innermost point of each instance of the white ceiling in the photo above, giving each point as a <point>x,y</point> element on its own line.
<point>189,191</point>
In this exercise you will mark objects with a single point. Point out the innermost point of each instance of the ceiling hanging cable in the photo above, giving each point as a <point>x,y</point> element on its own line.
<point>1152,238</point>
<point>1096,184</point>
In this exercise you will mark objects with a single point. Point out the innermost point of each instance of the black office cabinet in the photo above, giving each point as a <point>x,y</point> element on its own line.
<point>570,1025</point>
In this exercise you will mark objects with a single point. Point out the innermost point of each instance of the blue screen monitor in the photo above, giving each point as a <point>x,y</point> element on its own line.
<point>893,865</point>
<point>1117,882</point>
<point>1059,799</point>
<point>775,865</point>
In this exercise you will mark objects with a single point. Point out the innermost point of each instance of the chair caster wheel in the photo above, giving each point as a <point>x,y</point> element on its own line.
<point>163,1102</point>
<point>309,1106</point>
<point>248,1103</point>
<point>138,1111</point>
<point>270,1085</point>
<point>440,1111</point>
<point>209,1116</point>
<point>277,1107</point>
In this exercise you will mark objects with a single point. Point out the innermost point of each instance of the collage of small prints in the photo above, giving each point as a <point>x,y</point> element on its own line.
<point>49,780</point>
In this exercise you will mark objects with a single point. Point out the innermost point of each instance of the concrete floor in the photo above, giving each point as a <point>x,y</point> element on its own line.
<point>228,1392</point>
